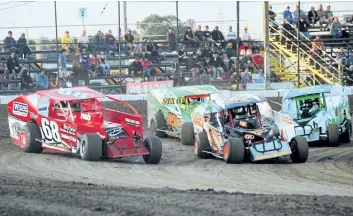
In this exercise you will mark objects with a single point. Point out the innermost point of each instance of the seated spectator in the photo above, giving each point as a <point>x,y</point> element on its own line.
<point>256,47</point>
<point>129,39</point>
<point>231,36</point>
<point>182,54</point>
<point>100,41</point>
<point>23,49</point>
<point>217,35</point>
<point>84,60</point>
<point>260,77</point>
<point>67,42</point>
<point>287,15</point>
<point>111,42</point>
<point>93,62</point>
<point>245,49</point>
<point>26,80</point>
<point>152,49</point>
<point>171,38</point>
<point>207,34</point>
<point>194,79</point>
<point>246,78</point>
<point>199,36</point>
<point>322,17</point>
<point>144,63</point>
<point>189,39</point>
<point>83,41</point>
<point>312,15</point>
<point>246,35</point>
<point>135,68</point>
<point>303,28</point>
<point>329,14</point>
<point>10,43</point>
<point>149,72</point>
<point>336,28</point>
<point>341,56</point>
<point>42,80</point>
<point>317,47</point>
<point>196,60</point>
<point>103,64</point>
<point>297,14</point>
<point>207,52</point>
<point>13,65</point>
<point>229,51</point>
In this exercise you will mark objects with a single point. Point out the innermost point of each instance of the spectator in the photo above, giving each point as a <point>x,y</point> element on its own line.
<point>93,61</point>
<point>350,60</point>
<point>84,60</point>
<point>322,17</point>
<point>312,15</point>
<point>272,15</point>
<point>231,37</point>
<point>79,74</point>
<point>141,49</point>
<point>217,35</point>
<point>10,43</point>
<point>67,42</point>
<point>199,36</point>
<point>207,52</point>
<point>42,80</point>
<point>207,34</point>
<point>189,38</point>
<point>13,65</point>
<point>218,66</point>
<point>317,47</point>
<point>329,14</point>
<point>111,42</point>
<point>245,49</point>
<point>63,74</point>
<point>287,15</point>
<point>194,79</point>
<point>230,51</point>
<point>100,41</point>
<point>22,46</point>
<point>83,41</point>
<point>135,68</point>
<point>297,14</point>
<point>129,38</point>
<point>149,72</point>
<point>303,28</point>
<point>103,64</point>
<point>26,80</point>
<point>152,50</point>
<point>182,54</point>
<point>171,38</point>
<point>144,64</point>
<point>260,77</point>
<point>341,56</point>
<point>336,28</point>
<point>246,78</point>
<point>246,35</point>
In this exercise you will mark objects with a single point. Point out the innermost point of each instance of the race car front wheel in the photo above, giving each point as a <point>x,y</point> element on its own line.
<point>333,134</point>
<point>187,133</point>
<point>158,122</point>
<point>234,150</point>
<point>91,147</point>
<point>154,145</point>
<point>29,135</point>
<point>202,144</point>
<point>300,149</point>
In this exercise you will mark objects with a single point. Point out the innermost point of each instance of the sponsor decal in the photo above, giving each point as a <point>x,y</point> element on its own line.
<point>167,101</point>
<point>116,132</point>
<point>249,137</point>
<point>132,122</point>
<point>86,116</point>
<point>146,87</point>
<point>67,137</point>
<point>20,109</point>
<point>68,129</point>
<point>16,127</point>
<point>33,116</point>
<point>41,109</point>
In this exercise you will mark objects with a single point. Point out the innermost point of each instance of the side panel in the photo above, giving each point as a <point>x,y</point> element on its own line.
<point>286,123</point>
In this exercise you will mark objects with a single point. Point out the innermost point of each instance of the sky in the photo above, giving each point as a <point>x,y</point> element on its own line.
<point>223,13</point>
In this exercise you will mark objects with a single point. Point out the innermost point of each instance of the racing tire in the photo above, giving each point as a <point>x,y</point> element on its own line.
<point>28,135</point>
<point>345,137</point>
<point>201,144</point>
<point>158,122</point>
<point>91,147</point>
<point>300,149</point>
<point>333,134</point>
<point>154,146</point>
<point>234,151</point>
<point>187,133</point>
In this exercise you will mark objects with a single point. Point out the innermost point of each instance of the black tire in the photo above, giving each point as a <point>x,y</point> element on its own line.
<point>28,135</point>
<point>91,147</point>
<point>201,144</point>
<point>300,149</point>
<point>187,133</point>
<point>333,134</point>
<point>235,152</point>
<point>345,137</point>
<point>154,145</point>
<point>158,122</point>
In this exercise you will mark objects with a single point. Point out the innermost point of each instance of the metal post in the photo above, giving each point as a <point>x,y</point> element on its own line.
<point>179,75</point>
<point>237,48</point>
<point>120,30</point>
<point>298,45</point>
<point>267,68</point>
<point>57,45</point>
<point>125,15</point>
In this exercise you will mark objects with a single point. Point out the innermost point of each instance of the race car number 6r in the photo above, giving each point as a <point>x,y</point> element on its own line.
<point>50,130</point>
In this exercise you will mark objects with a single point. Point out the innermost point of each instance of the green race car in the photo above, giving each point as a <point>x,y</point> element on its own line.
<point>169,110</point>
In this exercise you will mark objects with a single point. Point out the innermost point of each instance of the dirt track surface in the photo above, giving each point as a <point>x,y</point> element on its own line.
<point>57,184</point>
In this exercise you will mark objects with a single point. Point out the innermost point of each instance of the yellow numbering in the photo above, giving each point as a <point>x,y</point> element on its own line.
<point>167,101</point>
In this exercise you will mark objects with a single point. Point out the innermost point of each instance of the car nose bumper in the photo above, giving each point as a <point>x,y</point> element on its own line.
<point>269,149</point>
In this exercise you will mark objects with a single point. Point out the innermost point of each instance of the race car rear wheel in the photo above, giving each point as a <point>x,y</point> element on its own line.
<point>154,145</point>
<point>187,133</point>
<point>28,135</point>
<point>91,147</point>
<point>234,150</point>
<point>345,137</point>
<point>158,122</point>
<point>300,149</point>
<point>201,144</point>
<point>333,134</point>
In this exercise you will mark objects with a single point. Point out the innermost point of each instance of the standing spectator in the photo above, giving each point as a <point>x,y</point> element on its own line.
<point>84,60</point>
<point>22,46</point>
<point>26,80</point>
<point>231,37</point>
<point>322,17</point>
<point>199,36</point>
<point>246,35</point>
<point>218,66</point>
<point>63,74</point>
<point>287,15</point>
<point>111,42</point>
<point>271,16</point>
<point>67,42</point>
<point>303,28</point>
<point>171,38</point>
<point>79,74</point>
<point>100,41</point>
<point>189,38</point>
<point>329,14</point>
<point>312,15</point>
<point>13,65</point>
<point>103,64</point>
<point>42,80</point>
<point>129,38</point>
<point>336,28</point>
<point>10,43</point>
<point>83,41</point>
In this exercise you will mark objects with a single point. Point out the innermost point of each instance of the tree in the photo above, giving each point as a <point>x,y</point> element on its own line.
<point>156,27</point>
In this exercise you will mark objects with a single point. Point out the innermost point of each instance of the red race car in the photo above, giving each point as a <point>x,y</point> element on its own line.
<point>73,120</point>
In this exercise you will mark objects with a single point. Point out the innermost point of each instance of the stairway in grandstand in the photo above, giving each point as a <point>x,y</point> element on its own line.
<point>284,60</point>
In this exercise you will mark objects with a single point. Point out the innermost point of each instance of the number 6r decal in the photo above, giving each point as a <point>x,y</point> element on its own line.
<point>50,130</point>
